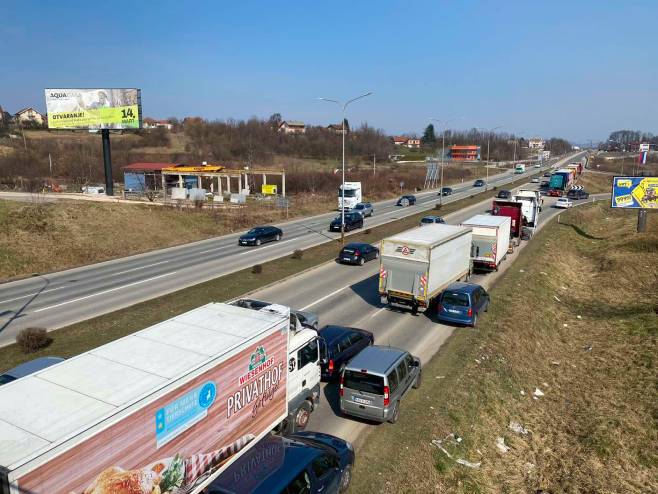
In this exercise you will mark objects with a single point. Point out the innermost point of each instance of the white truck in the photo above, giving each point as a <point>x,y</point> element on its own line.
<point>353,195</point>
<point>491,240</point>
<point>416,265</point>
<point>531,201</point>
<point>163,410</point>
<point>520,168</point>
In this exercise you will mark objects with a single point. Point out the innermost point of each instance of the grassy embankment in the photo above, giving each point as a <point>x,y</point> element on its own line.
<point>577,318</point>
<point>83,336</point>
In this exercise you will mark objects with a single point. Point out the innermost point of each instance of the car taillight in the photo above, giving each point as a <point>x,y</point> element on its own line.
<point>386,396</point>
<point>341,386</point>
<point>331,365</point>
<point>357,253</point>
<point>470,312</point>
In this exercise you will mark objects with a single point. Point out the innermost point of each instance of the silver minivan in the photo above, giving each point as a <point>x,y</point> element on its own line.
<point>373,383</point>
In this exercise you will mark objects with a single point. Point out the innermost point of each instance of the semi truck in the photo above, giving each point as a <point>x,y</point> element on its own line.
<point>491,240</point>
<point>561,182</point>
<point>163,410</point>
<point>514,210</point>
<point>351,196</point>
<point>416,265</point>
<point>520,168</point>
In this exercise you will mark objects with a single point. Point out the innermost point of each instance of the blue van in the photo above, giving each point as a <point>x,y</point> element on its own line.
<point>462,302</point>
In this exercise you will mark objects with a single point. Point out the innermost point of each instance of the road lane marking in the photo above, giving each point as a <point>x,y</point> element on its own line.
<point>251,251</point>
<point>32,294</point>
<point>104,292</point>
<point>140,267</point>
<point>322,299</point>
<point>217,248</point>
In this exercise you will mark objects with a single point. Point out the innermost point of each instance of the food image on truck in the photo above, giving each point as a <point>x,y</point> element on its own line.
<point>165,408</point>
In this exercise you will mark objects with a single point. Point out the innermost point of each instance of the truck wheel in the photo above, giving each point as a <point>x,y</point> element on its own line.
<point>419,379</point>
<point>396,413</point>
<point>345,479</point>
<point>302,416</point>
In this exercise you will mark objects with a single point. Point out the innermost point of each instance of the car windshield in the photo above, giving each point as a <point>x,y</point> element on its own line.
<point>5,378</point>
<point>362,381</point>
<point>458,299</point>
<point>348,192</point>
<point>255,231</point>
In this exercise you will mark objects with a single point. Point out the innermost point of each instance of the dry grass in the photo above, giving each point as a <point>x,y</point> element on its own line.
<point>577,318</point>
<point>595,183</point>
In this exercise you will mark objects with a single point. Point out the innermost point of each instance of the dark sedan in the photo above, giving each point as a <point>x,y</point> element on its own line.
<point>358,253</point>
<point>406,200</point>
<point>445,191</point>
<point>504,194</point>
<point>352,220</point>
<point>577,194</point>
<point>339,345</point>
<point>260,235</point>
<point>479,183</point>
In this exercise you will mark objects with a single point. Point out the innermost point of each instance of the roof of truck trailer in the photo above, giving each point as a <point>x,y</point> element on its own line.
<point>486,220</point>
<point>430,234</point>
<point>42,410</point>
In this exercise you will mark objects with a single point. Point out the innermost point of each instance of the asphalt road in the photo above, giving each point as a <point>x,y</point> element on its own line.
<point>347,295</point>
<point>62,298</point>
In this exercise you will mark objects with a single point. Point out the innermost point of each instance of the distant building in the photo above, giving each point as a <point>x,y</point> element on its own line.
<point>536,143</point>
<point>413,143</point>
<point>150,123</point>
<point>30,116</point>
<point>338,128</point>
<point>292,127</point>
<point>465,153</point>
<point>399,140</point>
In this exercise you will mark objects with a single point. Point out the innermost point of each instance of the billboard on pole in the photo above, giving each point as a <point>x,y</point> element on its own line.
<point>94,108</point>
<point>635,192</point>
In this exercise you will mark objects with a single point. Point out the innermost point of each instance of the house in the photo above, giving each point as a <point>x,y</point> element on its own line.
<point>292,127</point>
<point>536,143</point>
<point>465,153</point>
<point>150,123</point>
<point>338,128</point>
<point>399,140</point>
<point>30,116</point>
<point>413,143</point>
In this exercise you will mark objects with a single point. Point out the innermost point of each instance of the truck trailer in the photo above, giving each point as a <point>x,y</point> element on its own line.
<point>416,265</point>
<point>561,181</point>
<point>512,209</point>
<point>163,410</point>
<point>491,239</point>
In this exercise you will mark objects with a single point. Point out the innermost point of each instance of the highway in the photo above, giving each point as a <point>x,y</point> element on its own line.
<point>62,298</point>
<point>347,295</point>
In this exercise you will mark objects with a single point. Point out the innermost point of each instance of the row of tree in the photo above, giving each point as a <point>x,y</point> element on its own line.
<point>629,136</point>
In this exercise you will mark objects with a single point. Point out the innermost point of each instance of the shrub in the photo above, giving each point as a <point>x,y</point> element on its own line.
<point>32,339</point>
<point>257,269</point>
<point>298,254</point>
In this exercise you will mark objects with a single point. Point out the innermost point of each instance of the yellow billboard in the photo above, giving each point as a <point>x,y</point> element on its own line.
<point>268,189</point>
<point>94,108</point>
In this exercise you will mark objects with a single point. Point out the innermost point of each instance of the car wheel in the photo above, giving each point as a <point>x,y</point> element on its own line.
<point>419,379</point>
<point>258,242</point>
<point>396,413</point>
<point>377,255</point>
<point>278,237</point>
<point>345,479</point>
<point>302,416</point>
<point>362,261</point>
<point>475,320</point>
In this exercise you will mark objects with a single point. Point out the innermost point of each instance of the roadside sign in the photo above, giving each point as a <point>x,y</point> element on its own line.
<point>635,192</point>
<point>644,147</point>
<point>267,189</point>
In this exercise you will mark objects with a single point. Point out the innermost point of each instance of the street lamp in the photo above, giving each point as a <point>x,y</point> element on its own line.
<point>343,108</point>
<point>515,139</point>
<point>443,148</point>
<point>489,131</point>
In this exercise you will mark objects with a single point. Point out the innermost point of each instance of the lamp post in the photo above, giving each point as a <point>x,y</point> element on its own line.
<point>444,123</point>
<point>515,139</point>
<point>343,106</point>
<point>489,131</point>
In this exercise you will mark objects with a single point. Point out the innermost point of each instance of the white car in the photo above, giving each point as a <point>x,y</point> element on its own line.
<point>537,165</point>
<point>563,203</point>
<point>535,180</point>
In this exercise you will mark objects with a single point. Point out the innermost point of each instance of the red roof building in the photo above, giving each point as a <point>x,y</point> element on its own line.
<point>465,153</point>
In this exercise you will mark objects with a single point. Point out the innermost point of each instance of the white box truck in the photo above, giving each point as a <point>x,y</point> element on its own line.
<point>530,207</point>
<point>353,195</point>
<point>491,239</point>
<point>162,410</point>
<point>416,265</point>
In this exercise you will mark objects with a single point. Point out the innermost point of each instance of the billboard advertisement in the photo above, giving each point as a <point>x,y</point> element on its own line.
<point>267,189</point>
<point>183,438</point>
<point>94,108</point>
<point>635,192</point>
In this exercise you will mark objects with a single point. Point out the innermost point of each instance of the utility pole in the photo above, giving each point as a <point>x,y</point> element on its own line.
<point>374,164</point>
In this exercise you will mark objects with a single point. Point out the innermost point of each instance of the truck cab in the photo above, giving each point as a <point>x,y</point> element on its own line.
<point>303,368</point>
<point>352,195</point>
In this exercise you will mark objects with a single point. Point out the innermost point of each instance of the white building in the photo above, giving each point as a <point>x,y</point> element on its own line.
<point>30,116</point>
<point>292,127</point>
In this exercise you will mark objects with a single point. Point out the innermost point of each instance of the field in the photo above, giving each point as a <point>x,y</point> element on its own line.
<point>576,323</point>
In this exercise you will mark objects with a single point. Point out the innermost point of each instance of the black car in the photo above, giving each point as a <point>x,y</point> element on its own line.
<point>406,200</point>
<point>352,220</point>
<point>445,191</point>
<point>339,345</point>
<point>260,235</point>
<point>304,462</point>
<point>504,194</point>
<point>479,183</point>
<point>358,253</point>
<point>577,194</point>
<point>547,174</point>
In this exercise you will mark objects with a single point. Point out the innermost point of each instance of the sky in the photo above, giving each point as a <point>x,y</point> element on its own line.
<point>576,69</point>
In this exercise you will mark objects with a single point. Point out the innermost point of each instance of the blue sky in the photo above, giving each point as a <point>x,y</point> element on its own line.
<point>576,69</point>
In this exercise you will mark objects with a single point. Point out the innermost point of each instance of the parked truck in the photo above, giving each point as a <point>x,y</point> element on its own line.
<point>416,265</point>
<point>163,410</point>
<point>352,195</point>
<point>530,206</point>
<point>491,240</point>
<point>514,210</point>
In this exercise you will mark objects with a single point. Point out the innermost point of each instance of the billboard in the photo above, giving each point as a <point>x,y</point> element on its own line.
<point>94,108</point>
<point>267,189</point>
<point>635,192</point>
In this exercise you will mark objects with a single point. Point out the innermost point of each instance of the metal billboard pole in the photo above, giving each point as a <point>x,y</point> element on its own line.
<point>107,161</point>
